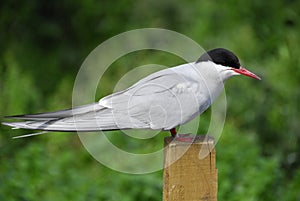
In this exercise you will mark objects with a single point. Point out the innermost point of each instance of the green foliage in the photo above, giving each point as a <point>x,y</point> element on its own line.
<point>43,44</point>
<point>52,171</point>
<point>243,173</point>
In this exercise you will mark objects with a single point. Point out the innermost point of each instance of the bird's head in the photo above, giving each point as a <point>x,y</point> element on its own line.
<point>228,63</point>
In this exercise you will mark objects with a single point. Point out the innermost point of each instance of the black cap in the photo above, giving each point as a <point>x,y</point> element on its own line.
<point>221,56</point>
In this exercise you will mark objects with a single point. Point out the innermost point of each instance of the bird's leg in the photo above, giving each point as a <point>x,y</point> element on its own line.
<point>173,132</point>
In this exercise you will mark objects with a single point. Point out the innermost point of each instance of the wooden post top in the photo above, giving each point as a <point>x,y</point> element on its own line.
<point>189,139</point>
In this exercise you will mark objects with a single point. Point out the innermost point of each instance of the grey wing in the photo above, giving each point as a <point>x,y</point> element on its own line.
<point>161,101</point>
<point>92,117</point>
<point>59,114</point>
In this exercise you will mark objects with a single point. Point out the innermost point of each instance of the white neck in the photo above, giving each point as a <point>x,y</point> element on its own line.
<point>213,76</point>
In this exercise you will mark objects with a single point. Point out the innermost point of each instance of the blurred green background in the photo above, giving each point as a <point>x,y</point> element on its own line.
<point>43,44</point>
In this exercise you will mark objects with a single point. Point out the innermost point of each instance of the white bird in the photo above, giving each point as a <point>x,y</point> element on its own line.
<point>161,101</point>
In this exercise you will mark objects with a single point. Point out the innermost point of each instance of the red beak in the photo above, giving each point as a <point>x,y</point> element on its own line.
<point>244,71</point>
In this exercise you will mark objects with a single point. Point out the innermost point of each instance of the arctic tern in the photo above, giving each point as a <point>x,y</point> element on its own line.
<point>160,101</point>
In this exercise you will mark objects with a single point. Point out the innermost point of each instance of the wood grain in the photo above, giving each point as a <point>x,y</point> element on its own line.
<point>190,169</point>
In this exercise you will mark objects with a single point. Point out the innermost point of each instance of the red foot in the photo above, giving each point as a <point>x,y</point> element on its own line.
<point>182,137</point>
<point>185,138</point>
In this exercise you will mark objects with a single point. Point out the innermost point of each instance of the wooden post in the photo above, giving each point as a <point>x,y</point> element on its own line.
<point>190,169</point>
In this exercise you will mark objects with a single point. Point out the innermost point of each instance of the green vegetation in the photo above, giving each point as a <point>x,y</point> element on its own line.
<point>45,42</point>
